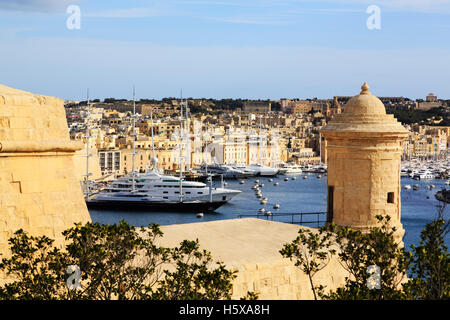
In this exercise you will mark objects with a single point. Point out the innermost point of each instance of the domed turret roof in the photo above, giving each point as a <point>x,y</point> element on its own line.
<point>365,103</point>
<point>364,113</point>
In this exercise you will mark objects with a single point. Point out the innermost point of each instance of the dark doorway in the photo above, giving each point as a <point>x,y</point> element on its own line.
<point>330,204</point>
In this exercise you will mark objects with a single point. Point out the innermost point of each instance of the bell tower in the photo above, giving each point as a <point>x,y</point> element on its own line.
<point>363,158</point>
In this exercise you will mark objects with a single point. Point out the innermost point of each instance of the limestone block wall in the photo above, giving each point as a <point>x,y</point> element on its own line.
<point>251,246</point>
<point>38,188</point>
<point>363,172</point>
<point>282,280</point>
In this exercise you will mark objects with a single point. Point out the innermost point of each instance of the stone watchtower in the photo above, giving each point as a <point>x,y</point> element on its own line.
<point>39,191</point>
<point>363,158</point>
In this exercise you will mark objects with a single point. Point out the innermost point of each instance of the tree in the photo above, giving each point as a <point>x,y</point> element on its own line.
<point>359,253</point>
<point>115,262</point>
<point>34,269</point>
<point>431,262</point>
<point>192,278</point>
<point>311,252</point>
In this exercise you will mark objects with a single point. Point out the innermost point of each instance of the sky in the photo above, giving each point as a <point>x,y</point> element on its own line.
<point>255,49</point>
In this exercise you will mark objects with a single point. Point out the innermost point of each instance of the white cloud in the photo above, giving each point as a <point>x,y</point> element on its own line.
<point>64,67</point>
<point>36,5</point>
<point>127,13</point>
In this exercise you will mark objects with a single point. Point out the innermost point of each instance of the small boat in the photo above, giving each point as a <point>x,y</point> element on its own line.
<point>262,210</point>
<point>423,174</point>
<point>270,180</point>
<point>291,169</point>
<point>277,206</point>
<point>200,215</point>
<point>276,183</point>
<point>268,213</point>
<point>416,187</point>
<point>263,201</point>
<point>286,179</point>
<point>305,177</point>
<point>241,182</point>
<point>407,187</point>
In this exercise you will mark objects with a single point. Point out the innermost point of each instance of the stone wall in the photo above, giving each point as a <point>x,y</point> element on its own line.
<point>39,190</point>
<point>251,246</point>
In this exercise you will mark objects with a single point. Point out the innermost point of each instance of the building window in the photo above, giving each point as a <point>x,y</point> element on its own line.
<point>390,197</point>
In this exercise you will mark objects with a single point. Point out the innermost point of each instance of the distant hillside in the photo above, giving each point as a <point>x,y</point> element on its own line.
<point>421,116</point>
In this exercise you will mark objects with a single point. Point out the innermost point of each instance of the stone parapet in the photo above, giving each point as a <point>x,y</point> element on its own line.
<point>39,191</point>
<point>251,247</point>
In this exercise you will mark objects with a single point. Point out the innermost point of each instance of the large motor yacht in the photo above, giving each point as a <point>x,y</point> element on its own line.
<point>154,191</point>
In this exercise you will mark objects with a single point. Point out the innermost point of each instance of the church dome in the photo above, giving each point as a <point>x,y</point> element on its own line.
<point>365,103</point>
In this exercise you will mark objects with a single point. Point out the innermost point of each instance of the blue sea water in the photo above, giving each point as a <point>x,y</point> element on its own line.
<point>300,195</point>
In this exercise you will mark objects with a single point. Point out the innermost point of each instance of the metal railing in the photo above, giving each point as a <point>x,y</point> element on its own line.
<point>291,217</point>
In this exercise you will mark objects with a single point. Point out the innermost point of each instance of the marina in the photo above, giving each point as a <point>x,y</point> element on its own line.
<point>293,196</point>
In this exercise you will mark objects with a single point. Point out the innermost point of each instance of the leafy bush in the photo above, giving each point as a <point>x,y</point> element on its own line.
<point>115,262</point>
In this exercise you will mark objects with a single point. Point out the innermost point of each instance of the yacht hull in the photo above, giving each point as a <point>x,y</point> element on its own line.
<point>151,206</point>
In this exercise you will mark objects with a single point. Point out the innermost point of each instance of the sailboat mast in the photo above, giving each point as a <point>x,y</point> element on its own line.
<point>260,140</point>
<point>320,147</point>
<point>134,138</point>
<point>181,147</point>
<point>186,133</point>
<point>153,144</point>
<point>87,145</point>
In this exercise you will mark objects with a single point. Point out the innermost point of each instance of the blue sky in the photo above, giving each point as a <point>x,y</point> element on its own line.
<point>258,49</point>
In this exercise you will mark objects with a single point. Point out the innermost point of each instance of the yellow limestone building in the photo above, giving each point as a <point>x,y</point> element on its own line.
<point>363,158</point>
<point>39,191</point>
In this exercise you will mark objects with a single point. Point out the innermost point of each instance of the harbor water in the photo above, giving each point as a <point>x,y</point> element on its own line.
<point>293,196</point>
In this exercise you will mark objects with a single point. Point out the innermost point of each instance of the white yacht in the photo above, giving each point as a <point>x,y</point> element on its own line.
<point>262,170</point>
<point>423,174</point>
<point>154,191</point>
<point>246,170</point>
<point>291,169</point>
<point>227,171</point>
